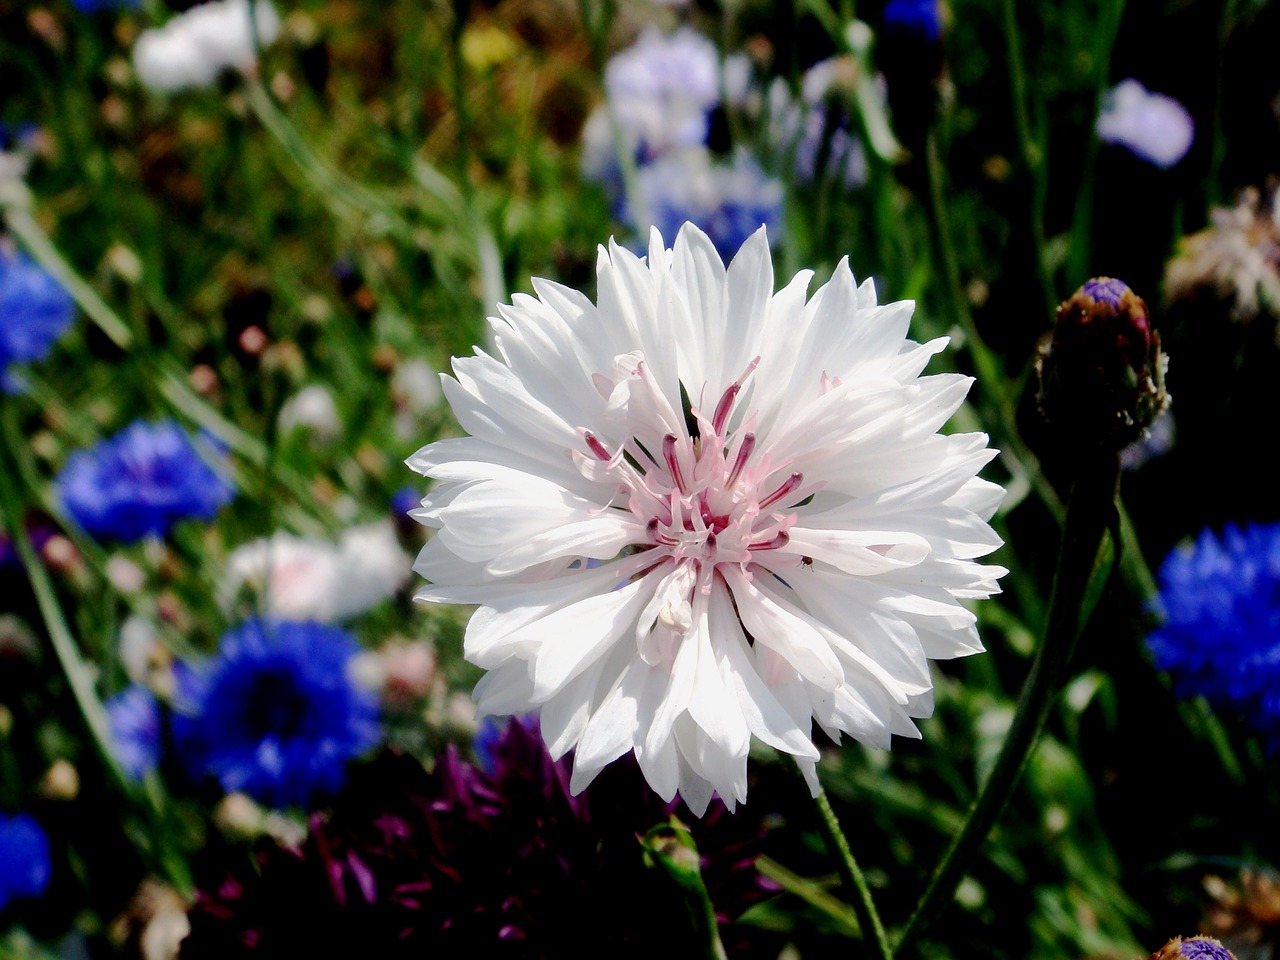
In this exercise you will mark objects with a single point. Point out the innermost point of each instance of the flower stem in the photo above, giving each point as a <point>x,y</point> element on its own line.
<point>1090,513</point>
<point>1032,153</point>
<point>77,671</point>
<point>860,894</point>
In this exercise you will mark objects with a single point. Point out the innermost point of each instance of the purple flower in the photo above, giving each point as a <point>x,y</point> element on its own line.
<point>411,864</point>
<point>1154,127</point>
<point>141,482</point>
<point>729,200</point>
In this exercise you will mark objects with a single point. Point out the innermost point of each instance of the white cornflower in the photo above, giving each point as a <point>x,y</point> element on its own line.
<point>312,408</point>
<point>701,511</point>
<point>1153,126</point>
<point>191,49</point>
<point>1237,257</point>
<point>305,578</point>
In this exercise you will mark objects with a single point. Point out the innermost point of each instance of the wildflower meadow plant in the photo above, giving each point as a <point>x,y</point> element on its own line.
<point>682,544</point>
<point>25,859</point>
<point>1153,126</point>
<point>276,714</point>
<point>194,47</point>
<point>141,482</point>
<point>1220,622</point>
<point>35,311</point>
<point>682,525</point>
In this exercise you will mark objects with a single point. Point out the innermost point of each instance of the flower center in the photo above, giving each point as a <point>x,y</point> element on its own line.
<point>704,492</point>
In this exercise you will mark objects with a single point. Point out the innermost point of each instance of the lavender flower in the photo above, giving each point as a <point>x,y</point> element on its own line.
<point>1154,127</point>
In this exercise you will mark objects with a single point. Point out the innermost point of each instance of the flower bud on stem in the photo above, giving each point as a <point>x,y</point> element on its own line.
<point>1102,383</point>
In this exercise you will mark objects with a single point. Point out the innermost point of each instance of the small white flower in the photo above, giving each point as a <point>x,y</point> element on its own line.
<point>1155,127</point>
<point>1238,256</point>
<point>305,578</point>
<point>194,47</point>
<point>701,511</point>
<point>314,408</point>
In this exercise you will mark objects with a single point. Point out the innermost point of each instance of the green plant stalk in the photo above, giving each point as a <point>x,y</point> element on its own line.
<point>669,848</point>
<point>597,27</point>
<point>812,893</point>
<point>864,907</point>
<point>987,366</point>
<point>1082,218</point>
<point>23,226</point>
<point>1219,143</point>
<point>78,673</point>
<point>1033,156</point>
<point>1084,539</point>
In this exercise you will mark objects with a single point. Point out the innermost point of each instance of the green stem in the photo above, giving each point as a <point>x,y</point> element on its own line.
<point>811,892</point>
<point>1082,219</point>
<point>986,365</point>
<point>597,15</point>
<point>1032,154</point>
<point>1219,143</point>
<point>23,226</point>
<point>78,673</point>
<point>1089,515</point>
<point>860,894</point>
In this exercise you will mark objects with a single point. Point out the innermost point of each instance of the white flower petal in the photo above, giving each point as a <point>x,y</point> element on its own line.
<point>702,512</point>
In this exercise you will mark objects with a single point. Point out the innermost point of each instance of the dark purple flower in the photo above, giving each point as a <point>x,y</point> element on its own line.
<point>411,864</point>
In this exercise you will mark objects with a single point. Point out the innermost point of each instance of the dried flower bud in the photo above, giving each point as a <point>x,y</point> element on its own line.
<point>1193,948</point>
<point>1102,371</point>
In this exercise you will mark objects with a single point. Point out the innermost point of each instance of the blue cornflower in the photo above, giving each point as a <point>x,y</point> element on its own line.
<point>276,714</point>
<point>404,500</point>
<point>25,864</point>
<point>920,19</point>
<point>35,310</point>
<point>729,200</point>
<point>137,729</point>
<point>141,482</point>
<point>1221,635</point>
<point>94,6</point>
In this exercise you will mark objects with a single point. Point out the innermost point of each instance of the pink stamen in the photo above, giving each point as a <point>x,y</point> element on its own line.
<point>725,406</point>
<point>658,536</point>
<point>790,484</point>
<point>744,451</point>
<point>723,409</point>
<point>781,540</point>
<point>669,454</point>
<point>596,447</point>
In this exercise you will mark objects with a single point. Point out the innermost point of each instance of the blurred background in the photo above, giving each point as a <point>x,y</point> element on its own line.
<point>241,240</point>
